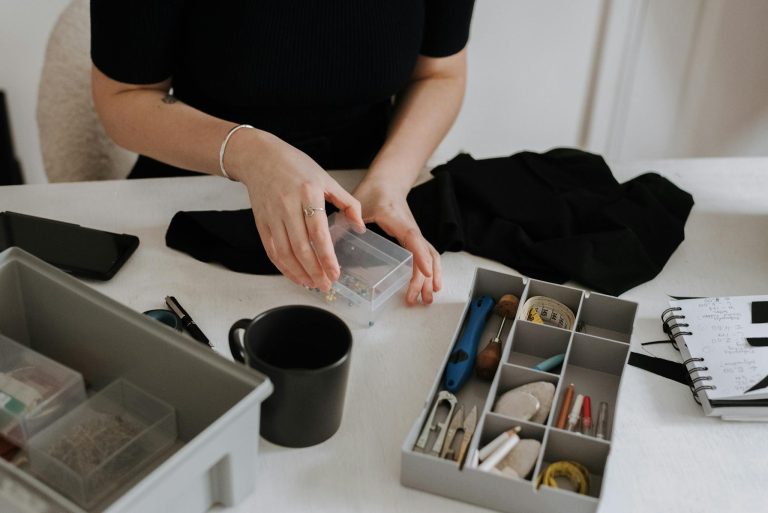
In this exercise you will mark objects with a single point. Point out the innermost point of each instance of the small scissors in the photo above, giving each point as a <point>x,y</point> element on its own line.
<point>467,426</point>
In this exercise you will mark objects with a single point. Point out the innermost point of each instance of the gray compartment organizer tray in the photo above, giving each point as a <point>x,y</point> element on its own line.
<point>217,402</point>
<point>596,353</point>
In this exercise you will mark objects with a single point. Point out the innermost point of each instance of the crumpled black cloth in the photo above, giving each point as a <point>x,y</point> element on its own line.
<point>555,216</point>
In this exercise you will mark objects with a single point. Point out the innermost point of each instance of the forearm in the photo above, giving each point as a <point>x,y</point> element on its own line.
<point>146,120</point>
<point>425,113</point>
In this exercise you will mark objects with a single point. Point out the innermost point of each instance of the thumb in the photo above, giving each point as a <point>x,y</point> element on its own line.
<point>346,203</point>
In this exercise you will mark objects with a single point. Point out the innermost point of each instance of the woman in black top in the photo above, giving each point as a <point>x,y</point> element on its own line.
<point>184,83</point>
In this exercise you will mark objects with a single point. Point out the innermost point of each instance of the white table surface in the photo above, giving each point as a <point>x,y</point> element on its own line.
<point>666,456</point>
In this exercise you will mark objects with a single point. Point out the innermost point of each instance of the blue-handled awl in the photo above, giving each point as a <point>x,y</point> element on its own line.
<point>462,358</point>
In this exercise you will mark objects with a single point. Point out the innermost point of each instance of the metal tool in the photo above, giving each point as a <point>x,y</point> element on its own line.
<point>487,360</point>
<point>470,423</point>
<point>431,425</point>
<point>457,423</point>
<point>466,426</point>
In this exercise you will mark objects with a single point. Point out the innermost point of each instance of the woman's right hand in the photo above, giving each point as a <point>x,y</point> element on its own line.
<point>282,181</point>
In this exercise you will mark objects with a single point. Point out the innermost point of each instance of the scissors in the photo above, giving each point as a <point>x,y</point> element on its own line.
<point>467,426</point>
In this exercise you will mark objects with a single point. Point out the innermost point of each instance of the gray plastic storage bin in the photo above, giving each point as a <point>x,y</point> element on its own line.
<point>596,350</point>
<point>217,402</point>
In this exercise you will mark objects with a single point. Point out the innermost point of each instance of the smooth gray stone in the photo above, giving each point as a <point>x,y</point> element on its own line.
<point>518,404</point>
<point>522,458</point>
<point>543,391</point>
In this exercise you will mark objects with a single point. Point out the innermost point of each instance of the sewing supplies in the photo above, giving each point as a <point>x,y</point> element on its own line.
<point>520,461</point>
<point>487,360</point>
<point>465,424</point>
<point>462,358</point>
<point>34,391</point>
<point>518,404</point>
<point>89,444</point>
<point>545,310</point>
<point>564,409</point>
<point>498,454</point>
<point>602,421</point>
<point>491,446</point>
<point>431,425</point>
<point>543,391</point>
<point>573,417</point>
<point>456,424</point>
<point>550,363</point>
<point>586,416</point>
<point>576,473</point>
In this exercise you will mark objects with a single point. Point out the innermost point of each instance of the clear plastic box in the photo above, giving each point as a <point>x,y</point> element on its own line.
<point>34,391</point>
<point>102,443</point>
<point>373,269</point>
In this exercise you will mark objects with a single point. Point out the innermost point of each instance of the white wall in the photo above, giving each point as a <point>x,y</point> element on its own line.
<point>529,75</point>
<point>696,82</point>
<point>24,28</point>
<point>626,78</point>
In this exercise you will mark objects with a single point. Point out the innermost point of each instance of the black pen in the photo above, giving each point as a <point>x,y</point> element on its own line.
<point>187,321</point>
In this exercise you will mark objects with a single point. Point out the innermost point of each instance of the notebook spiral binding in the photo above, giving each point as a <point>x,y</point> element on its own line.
<point>669,322</point>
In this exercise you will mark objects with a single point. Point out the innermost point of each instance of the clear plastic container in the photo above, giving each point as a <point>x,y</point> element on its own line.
<point>34,391</point>
<point>373,269</point>
<point>102,443</point>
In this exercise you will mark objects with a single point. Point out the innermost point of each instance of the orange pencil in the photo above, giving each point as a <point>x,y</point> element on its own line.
<point>561,419</point>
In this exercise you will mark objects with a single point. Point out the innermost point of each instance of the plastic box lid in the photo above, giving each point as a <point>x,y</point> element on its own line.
<point>373,269</point>
<point>34,391</point>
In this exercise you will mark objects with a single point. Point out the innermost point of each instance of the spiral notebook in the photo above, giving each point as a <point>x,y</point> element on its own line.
<point>724,343</point>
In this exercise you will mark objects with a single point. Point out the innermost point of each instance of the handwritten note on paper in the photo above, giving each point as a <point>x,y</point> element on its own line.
<point>720,327</point>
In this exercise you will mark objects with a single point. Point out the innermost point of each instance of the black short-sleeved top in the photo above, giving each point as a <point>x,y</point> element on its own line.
<point>318,73</point>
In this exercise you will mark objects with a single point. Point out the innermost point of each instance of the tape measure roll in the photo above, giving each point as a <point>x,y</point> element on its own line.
<point>545,310</point>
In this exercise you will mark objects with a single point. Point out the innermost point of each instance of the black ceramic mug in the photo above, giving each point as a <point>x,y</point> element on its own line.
<point>305,351</point>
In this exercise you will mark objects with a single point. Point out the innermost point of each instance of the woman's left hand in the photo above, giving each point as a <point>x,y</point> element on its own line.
<point>389,209</point>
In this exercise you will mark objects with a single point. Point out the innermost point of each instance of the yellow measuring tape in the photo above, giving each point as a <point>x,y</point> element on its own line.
<point>575,472</point>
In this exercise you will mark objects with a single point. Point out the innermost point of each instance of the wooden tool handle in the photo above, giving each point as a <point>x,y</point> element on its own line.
<point>487,360</point>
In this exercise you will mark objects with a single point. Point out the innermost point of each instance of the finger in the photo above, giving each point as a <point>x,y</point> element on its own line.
<point>414,288</point>
<point>284,254</point>
<point>345,202</point>
<point>426,292</point>
<point>266,240</point>
<point>416,244</point>
<point>296,228</point>
<point>320,238</point>
<point>437,269</point>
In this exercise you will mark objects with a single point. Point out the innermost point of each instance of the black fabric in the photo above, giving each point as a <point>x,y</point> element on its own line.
<point>226,237</point>
<point>666,368</point>
<point>298,69</point>
<point>555,216</point>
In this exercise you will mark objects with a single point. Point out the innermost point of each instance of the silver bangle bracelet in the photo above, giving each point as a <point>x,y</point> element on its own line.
<point>224,148</point>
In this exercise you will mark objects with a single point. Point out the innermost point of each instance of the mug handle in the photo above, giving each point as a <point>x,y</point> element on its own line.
<point>235,342</point>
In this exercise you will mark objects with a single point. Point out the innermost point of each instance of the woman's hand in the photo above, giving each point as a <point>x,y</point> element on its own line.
<point>282,182</point>
<point>388,208</point>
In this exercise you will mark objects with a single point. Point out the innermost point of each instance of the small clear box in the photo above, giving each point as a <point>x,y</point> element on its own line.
<point>373,269</point>
<point>103,443</point>
<point>34,391</point>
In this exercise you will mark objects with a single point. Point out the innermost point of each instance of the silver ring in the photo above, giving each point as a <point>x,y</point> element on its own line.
<point>310,211</point>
